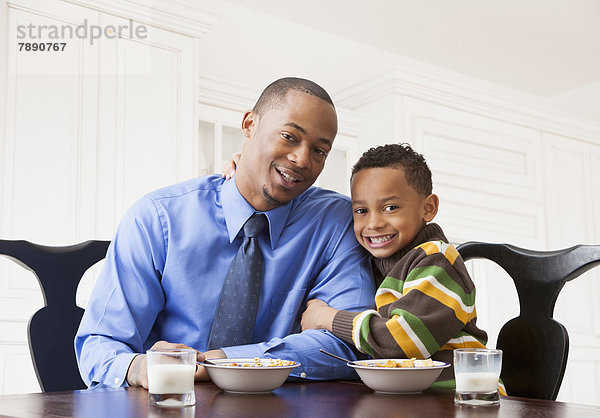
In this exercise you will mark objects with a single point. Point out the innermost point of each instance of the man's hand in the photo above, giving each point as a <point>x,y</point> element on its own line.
<point>318,315</point>
<point>211,354</point>
<point>137,374</point>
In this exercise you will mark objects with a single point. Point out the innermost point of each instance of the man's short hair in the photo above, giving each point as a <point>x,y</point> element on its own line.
<point>399,156</point>
<point>273,96</point>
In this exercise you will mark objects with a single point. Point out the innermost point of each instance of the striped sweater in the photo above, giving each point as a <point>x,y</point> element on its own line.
<point>425,306</point>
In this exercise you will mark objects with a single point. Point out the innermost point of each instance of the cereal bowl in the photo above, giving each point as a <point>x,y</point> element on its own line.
<point>249,375</point>
<point>386,379</point>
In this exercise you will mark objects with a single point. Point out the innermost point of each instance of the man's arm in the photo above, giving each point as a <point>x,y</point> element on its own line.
<point>125,302</point>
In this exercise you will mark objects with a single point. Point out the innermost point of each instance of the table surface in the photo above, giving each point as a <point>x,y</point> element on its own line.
<point>322,399</point>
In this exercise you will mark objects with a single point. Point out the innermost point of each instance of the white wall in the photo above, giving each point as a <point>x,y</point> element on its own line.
<point>584,101</point>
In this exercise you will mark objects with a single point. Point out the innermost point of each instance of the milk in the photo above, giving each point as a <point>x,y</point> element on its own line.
<point>476,382</point>
<point>171,378</point>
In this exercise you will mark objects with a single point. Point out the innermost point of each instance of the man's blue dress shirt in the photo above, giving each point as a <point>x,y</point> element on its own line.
<point>165,267</point>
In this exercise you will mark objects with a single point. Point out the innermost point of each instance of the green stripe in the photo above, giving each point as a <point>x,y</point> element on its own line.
<point>420,329</point>
<point>446,281</point>
<point>444,385</point>
<point>392,283</point>
<point>466,334</point>
<point>451,384</point>
<point>363,334</point>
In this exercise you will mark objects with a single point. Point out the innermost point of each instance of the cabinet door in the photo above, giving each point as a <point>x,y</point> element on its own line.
<point>220,136</point>
<point>573,204</point>
<point>488,175</point>
<point>50,114</point>
<point>90,129</point>
<point>146,128</point>
<point>487,172</point>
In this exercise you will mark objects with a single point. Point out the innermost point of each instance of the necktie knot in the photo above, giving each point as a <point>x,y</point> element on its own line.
<point>255,225</point>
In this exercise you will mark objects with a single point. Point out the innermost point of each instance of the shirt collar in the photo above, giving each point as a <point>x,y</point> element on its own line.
<point>237,211</point>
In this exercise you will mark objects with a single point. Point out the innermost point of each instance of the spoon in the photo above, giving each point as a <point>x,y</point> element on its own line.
<point>206,362</point>
<point>335,356</point>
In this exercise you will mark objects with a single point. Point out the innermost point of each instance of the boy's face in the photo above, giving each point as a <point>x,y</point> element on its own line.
<point>388,213</point>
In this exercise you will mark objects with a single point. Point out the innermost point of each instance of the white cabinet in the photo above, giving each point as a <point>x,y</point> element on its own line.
<point>573,206</point>
<point>487,173</point>
<point>90,129</point>
<point>219,137</point>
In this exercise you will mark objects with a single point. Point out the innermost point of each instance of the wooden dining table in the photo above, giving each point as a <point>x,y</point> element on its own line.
<point>318,399</point>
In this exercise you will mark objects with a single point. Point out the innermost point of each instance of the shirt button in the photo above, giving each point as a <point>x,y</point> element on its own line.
<point>303,375</point>
<point>116,380</point>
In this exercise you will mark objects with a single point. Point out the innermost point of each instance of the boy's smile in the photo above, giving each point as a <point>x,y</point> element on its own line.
<point>379,241</point>
<point>388,213</point>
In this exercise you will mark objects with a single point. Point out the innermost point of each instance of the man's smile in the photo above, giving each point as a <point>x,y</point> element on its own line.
<point>288,176</point>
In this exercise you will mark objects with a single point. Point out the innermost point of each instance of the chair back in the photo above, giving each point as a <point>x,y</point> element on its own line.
<point>535,346</point>
<point>51,330</point>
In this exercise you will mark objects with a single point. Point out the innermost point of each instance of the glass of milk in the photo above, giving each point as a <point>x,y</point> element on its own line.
<point>171,377</point>
<point>477,371</point>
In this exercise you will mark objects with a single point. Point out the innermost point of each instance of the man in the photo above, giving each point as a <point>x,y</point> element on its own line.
<point>166,269</point>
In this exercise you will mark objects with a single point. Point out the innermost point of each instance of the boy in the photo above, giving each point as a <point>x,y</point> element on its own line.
<point>425,298</point>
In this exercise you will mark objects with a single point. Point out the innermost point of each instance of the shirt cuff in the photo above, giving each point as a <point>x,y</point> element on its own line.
<point>244,351</point>
<point>342,325</point>
<point>117,374</point>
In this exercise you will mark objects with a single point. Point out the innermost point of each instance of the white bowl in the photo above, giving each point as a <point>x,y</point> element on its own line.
<point>397,379</point>
<point>240,379</point>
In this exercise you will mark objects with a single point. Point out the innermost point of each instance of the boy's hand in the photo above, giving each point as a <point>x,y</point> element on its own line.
<point>318,315</point>
<point>229,168</point>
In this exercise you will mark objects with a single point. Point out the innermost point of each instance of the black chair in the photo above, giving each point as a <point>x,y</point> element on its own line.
<point>535,346</point>
<point>52,329</point>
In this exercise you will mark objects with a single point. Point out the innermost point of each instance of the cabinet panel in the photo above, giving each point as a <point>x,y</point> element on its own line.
<point>15,361</point>
<point>89,130</point>
<point>487,172</point>
<point>49,94</point>
<point>44,130</point>
<point>146,128</point>
<point>571,191</point>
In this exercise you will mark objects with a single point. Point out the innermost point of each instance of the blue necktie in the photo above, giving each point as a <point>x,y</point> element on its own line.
<point>238,303</point>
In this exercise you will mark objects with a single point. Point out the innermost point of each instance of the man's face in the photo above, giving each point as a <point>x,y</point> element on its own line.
<point>285,150</point>
<point>388,213</point>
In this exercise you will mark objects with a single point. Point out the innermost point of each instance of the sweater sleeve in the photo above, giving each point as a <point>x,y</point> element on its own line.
<point>427,299</point>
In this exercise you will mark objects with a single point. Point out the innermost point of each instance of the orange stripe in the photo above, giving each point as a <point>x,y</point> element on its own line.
<point>451,254</point>
<point>429,248</point>
<point>502,390</point>
<point>432,291</point>
<point>385,299</point>
<point>465,344</point>
<point>402,338</point>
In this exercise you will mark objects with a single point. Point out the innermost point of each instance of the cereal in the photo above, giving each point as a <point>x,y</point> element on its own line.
<point>408,363</point>
<point>263,363</point>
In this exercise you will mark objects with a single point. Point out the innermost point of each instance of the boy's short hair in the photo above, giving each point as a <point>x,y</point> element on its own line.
<point>273,96</point>
<point>399,156</point>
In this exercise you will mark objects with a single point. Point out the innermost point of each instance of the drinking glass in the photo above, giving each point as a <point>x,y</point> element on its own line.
<point>171,377</point>
<point>477,371</point>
